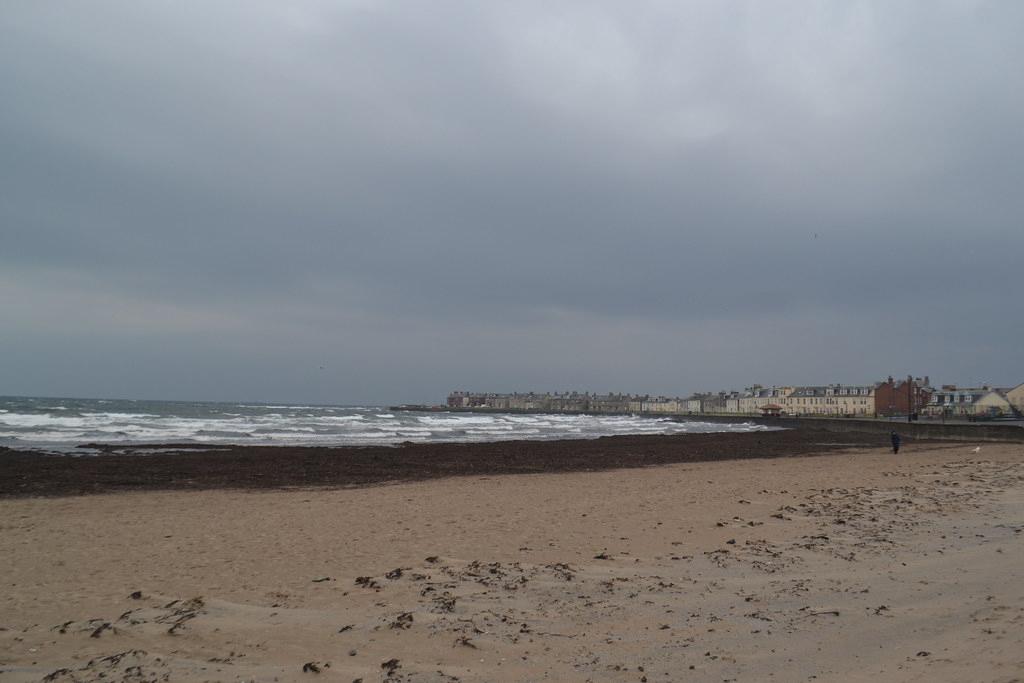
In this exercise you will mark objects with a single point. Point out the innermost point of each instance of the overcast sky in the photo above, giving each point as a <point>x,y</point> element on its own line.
<point>357,201</point>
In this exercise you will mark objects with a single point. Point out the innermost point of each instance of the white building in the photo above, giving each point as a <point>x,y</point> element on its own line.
<point>952,401</point>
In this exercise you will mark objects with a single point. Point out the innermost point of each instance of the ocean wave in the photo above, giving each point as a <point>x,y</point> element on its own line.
<point>279,407</point>
<point>28,422</point>
<point>223,433</point>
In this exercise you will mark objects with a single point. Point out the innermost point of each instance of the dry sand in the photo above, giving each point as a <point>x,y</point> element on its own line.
<point>846,567</point>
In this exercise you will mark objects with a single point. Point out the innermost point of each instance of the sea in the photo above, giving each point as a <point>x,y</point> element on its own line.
<point>63,424</point>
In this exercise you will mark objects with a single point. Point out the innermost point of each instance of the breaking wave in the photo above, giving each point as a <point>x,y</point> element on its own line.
<point>65,423</point>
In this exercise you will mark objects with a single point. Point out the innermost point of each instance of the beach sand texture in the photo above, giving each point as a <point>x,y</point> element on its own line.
<point>855,566</point>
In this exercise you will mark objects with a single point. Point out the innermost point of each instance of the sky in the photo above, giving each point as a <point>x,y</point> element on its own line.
<point>358,201</point>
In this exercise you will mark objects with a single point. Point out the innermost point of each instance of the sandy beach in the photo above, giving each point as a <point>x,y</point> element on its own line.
<point>853,565</point>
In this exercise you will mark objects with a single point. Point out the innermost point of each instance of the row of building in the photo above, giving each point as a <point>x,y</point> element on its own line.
<point>910,396</point>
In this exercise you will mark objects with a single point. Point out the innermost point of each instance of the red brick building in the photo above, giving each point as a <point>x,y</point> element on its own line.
<point>902,397</point>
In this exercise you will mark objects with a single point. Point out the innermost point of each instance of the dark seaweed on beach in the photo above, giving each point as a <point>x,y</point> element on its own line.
<point>182,467</point>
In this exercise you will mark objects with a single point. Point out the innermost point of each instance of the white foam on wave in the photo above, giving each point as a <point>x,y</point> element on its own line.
<point>323,425</point>
<point>504,431</point>
<point>45,421</point>
<point>464,419</point>
<point>121,416</point>
<point>282,407</point>
<point>525,419</point>
<point>371,435</point>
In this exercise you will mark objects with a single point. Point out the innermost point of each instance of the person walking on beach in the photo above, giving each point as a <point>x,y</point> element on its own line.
<point>895,438</point>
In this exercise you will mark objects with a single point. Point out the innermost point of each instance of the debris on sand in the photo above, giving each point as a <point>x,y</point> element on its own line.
<point>368,582</point>
<point>100,629</point>
<point>181,614</point>
<point>129,665</point>
<point>445,603</point>
<point>402,621</point>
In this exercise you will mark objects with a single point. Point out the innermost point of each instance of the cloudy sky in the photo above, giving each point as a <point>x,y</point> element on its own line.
<point>373,201</point>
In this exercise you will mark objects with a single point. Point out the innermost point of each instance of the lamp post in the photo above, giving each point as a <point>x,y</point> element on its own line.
<point>910,398</point>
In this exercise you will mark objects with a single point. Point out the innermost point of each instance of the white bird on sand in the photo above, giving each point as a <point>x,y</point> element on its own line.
<point>976,449</point>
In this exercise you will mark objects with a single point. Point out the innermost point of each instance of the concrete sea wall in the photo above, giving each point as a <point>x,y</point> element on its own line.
<point>977,431</point>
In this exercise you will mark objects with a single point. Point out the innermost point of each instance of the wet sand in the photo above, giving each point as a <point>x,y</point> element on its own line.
<point>847,566</point>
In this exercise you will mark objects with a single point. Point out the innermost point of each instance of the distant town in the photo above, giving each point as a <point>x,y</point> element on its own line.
<point>911,397</point>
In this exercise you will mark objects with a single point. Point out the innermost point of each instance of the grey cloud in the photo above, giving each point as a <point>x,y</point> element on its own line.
<point>438,193</point>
